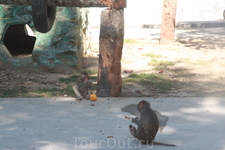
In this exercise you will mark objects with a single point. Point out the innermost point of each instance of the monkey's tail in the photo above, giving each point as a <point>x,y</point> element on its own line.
<point>163,144</point>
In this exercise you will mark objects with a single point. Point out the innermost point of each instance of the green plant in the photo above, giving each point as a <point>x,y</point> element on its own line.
<point>130,41</point>
<point>49,92</point>
<point>9,93</point>
<point>152,55</point>
<point>151,81</point>
<point>194,62</point>
<point>155,62</point>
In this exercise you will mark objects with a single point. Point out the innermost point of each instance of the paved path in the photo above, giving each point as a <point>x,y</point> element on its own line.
<point>193,34</point>
<point>63,124</point>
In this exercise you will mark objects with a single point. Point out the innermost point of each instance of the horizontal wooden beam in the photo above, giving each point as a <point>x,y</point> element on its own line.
<point>72,3</point>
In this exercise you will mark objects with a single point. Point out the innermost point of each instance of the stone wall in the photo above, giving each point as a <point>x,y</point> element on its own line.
<point>61,49</point>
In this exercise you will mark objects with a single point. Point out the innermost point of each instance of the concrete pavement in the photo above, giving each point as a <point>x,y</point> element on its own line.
<point>63,124</point>
<point>181,34</point>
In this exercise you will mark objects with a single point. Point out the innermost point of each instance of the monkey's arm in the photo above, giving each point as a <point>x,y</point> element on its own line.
<point>136,120</point>
<point>90,84</point>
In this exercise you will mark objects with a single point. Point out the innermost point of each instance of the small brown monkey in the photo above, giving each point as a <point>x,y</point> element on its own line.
<point>132,108</point>
<point>82,88</point>
<point>148,125</point>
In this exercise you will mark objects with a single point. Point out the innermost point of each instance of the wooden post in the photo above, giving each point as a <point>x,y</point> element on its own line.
<point>168,21</point>
<point>110,52</point>
<point>72,3</point>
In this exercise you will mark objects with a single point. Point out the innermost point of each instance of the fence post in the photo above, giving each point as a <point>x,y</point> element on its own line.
<point>110,53</point>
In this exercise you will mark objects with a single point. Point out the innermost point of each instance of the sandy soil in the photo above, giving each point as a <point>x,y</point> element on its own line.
<point>198,69</point>
<point>196,72</point>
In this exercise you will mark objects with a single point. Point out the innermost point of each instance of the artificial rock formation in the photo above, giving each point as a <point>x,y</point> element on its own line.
<point>61,49</point>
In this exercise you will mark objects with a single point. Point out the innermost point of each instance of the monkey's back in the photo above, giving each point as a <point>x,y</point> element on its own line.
<point>151,126</point>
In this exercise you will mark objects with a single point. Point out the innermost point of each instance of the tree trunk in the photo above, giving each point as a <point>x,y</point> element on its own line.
<point>72,3</point>
<point>168,21</point>
<point>110,52</point>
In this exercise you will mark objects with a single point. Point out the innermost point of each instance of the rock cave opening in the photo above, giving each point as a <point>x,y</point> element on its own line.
<point>19,40</point>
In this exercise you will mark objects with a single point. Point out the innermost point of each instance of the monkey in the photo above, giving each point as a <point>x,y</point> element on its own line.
<point>83,85</point>
<point>148,125</point>
<point>132,108</point>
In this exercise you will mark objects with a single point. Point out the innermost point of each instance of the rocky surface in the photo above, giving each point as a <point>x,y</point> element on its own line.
<point>58,50</point>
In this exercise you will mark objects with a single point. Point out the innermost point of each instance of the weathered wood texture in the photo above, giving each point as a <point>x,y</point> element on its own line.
<point>72,3</point>
<point>168,21</point>
<point>224,15</point>
<point>110,50</point>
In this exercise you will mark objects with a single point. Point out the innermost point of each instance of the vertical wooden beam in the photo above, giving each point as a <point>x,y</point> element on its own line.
<point>168,21</point>
<point>110,53</point>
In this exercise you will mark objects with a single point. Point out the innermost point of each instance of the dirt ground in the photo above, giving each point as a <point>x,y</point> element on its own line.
<point>197,69</point>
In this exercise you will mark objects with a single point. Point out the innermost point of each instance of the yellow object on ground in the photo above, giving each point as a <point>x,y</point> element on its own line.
<point>93,97</point>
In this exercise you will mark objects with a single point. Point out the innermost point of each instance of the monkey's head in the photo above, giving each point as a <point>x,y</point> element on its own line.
<point>84,76</point>
<point>143,105</point>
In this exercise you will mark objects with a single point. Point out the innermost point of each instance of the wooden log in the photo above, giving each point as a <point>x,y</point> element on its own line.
<point>72,3</point>
<point>110,53</point>
<point>168,22</point>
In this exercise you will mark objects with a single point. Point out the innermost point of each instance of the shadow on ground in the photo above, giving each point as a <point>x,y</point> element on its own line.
<point>209,39</point>
<point>63,124</point>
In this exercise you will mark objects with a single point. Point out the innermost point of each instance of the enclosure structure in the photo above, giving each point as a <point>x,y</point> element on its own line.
<point>111,39</point>
<point>61,49</point>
